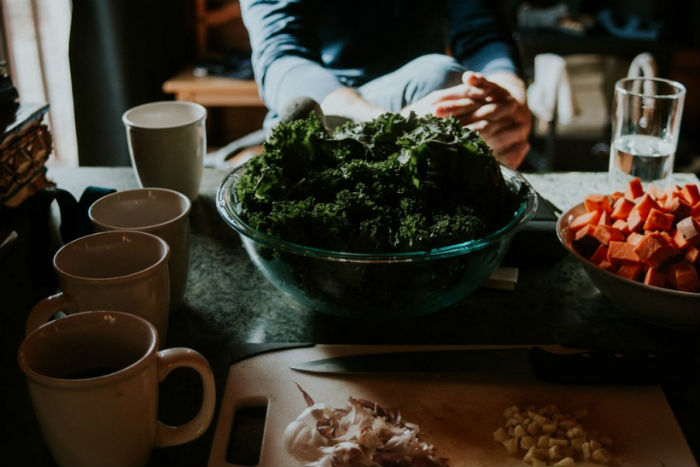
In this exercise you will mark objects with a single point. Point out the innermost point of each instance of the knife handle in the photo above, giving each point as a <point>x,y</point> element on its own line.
<point>599,367</point>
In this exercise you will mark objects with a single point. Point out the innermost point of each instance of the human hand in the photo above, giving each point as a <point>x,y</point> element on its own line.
<point>495,107</point>
<point>502,119</point>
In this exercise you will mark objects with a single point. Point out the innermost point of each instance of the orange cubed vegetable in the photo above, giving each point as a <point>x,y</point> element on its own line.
<point>692,254</point>
<point>615,196</point>
<point>589,218</point>
<point>596,202</point>
<point>644,205</point>
<point>605,233</point>
<point>684,276</point>
<point>656,192</point>
<point>672,191</point>
<point>678,239</point>
<point>655,277</point>
<point>630,270</point>
<point>655,250</point>
<point>657,220</point>
<point>621,225</point>
<point>622,252</point>
<point>622,208</point>
<point>695,211</point>
<point>607,265</point>
<point>635,221</point>
<point>690,230</point>
<point>676,206</point>
<point>634,189</point>
<point>604,218</point>
<point>600,255</point>
<point>691,194</point>
<point>634,238</point>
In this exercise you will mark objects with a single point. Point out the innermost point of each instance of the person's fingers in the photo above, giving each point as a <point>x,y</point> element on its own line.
<point>488,88</point>
<point>504,137</point>
<point>495,110</point>
<point>515,155</point>
<point>487,129</point>
<point>455,107</point>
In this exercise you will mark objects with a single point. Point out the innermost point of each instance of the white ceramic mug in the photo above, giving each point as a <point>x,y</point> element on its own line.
<point>159,211</point>
<point>167,143</point>
<point>93,380</point>
<point>119,270</point>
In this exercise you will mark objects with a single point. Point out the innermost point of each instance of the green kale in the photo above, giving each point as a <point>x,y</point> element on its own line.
<point>388,185</point>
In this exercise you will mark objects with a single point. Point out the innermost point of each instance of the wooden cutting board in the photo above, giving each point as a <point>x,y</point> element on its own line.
<point>456,413</point>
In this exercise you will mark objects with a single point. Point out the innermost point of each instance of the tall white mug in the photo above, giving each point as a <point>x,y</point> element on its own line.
<point>167,143</point>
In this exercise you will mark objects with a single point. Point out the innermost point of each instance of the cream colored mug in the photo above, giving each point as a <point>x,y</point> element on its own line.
<point>167,142</point>
<point>160,211</point>
<point>93,380</point>
<point>119,270</point>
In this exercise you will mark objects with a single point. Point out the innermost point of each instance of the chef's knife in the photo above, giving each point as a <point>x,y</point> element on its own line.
<point>584,367</point>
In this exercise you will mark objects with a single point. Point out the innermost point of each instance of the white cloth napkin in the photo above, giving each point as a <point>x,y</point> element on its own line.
<point>550,94</point>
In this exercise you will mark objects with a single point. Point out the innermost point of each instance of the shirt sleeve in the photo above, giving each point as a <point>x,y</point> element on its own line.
<point>285,53</point>
<point>478,39</point>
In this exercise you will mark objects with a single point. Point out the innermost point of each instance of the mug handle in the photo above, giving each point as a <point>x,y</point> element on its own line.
<point>177,357</point>
<point>46,308</point>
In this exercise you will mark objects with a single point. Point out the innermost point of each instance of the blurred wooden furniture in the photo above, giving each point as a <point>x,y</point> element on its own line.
<point>214,91</point>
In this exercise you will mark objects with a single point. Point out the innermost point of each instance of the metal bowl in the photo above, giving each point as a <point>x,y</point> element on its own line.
<point>376,285</point>
<point>657,305</point>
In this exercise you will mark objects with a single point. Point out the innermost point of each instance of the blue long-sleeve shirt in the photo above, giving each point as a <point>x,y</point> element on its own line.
<point>312,47</point>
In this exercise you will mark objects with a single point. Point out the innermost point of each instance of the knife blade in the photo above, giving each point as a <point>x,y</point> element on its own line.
<point>577,367</point>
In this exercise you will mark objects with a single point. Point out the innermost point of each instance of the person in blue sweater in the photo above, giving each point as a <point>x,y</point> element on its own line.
<point>361,58</point>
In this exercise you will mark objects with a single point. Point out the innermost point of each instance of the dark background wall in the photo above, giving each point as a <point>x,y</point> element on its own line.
<point>120,54</point>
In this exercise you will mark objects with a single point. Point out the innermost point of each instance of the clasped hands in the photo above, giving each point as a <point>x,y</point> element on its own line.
<point>494,107</point>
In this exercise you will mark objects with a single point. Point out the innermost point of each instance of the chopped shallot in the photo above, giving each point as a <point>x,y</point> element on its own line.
<point>360,434</point>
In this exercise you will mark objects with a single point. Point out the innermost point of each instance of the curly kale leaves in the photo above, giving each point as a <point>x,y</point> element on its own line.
<point>387,185</point>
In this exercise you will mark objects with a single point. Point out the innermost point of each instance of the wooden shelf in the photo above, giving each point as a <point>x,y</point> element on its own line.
<point>214,91</point>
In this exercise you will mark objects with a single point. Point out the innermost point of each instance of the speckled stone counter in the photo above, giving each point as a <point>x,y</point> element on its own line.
<point>228,302</point>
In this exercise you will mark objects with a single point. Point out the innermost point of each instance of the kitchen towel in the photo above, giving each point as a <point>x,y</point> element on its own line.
<point>550,96</point>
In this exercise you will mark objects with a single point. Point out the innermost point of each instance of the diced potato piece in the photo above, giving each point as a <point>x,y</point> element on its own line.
<point>519,431</point>
<point>558,442</point>
<point>526,442</point>
<point>541,419</point>
<point>594,445</point>
<point>575,432</point>
<point>554,453</point>
<point>565,462</point>
<point>605,441</point>
<point>534,429</point>
<point>576,443</point>
<point>511,445</point>
<point>549,428</point>
<point>543,441</point>
<point>601,456</point>
<point>586,450</point>
<point>500,435</point>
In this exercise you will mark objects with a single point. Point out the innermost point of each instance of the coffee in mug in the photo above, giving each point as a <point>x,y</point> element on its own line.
<point>93,380</point>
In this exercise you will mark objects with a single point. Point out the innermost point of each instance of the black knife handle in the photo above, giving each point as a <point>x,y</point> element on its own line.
<point>598,367</point>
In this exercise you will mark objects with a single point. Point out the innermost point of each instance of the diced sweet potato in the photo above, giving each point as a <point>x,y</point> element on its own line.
<point>630,270</point>
<point>605,233</point>
<point>655,277</point>
<point>644,205</point>
<point>622,252</point>
<point>688,227</point>
<point>676,206</point>
<point>657,220</point>
<point>615,196</point>
<point>684,276</point>
<point>655,250</point>
<point>678,239</point>
<point>695,211</point>
<point>604,218</point>
<point>634,189</point>
<point>621,225</point>
<point>600,255</point>
<point>584,242</point>
<point>589,218</point>
<point>692,255</point>
<point>635,221</point>
<point>607,265</point>
<point>596,202</point>
<point>634,238</point>
<point>672,191</point>
<point>656,192</point>
<point>622,208</point>
<point>691,194</point>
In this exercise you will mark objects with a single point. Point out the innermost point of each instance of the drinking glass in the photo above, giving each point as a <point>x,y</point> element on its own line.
<point>646,120</point>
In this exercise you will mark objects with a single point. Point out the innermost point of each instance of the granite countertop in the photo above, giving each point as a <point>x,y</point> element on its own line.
<point>228,302</point>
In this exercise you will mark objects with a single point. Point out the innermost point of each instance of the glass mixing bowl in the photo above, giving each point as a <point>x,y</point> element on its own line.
<point>376,285</point>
